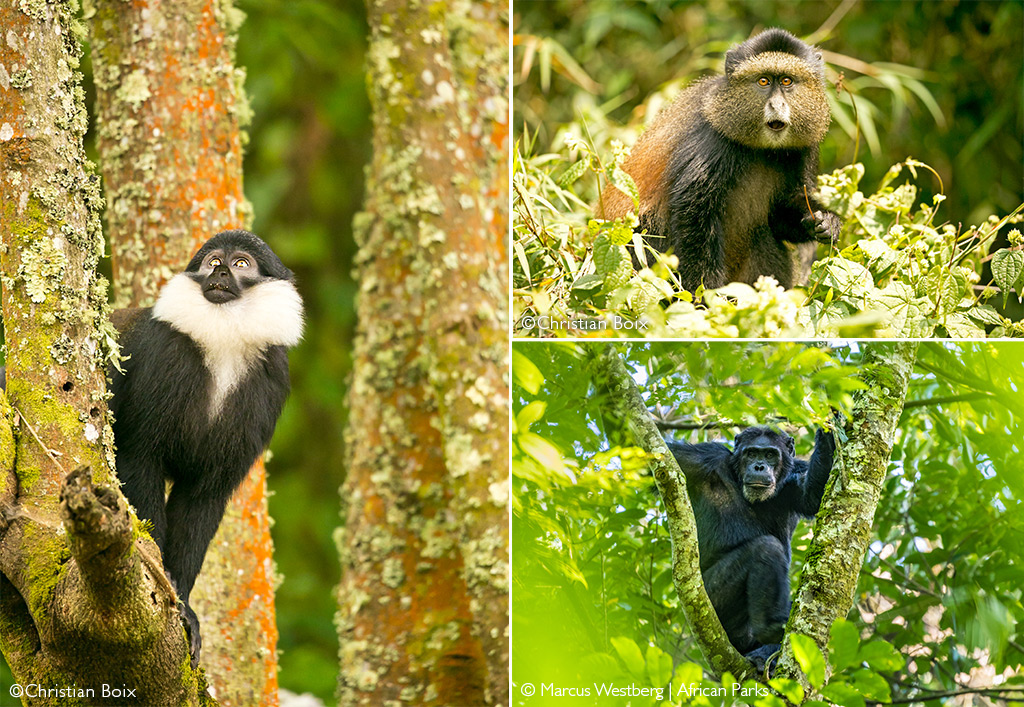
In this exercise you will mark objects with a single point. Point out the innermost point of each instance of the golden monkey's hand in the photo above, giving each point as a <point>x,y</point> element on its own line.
<point>824,226</point>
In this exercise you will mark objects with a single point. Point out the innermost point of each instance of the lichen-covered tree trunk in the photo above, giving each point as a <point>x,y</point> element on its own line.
<point>842,528</point>
<point>83,607</point>
<point>423,601</point>
<point>171,108</point>
<point>169,103</point>
<point>626,414</point>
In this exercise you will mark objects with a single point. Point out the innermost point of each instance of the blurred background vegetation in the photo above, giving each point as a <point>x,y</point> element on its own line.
<point>309,142</point>
<point>939,81</point>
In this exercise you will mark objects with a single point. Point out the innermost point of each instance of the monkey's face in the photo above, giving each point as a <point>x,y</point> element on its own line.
<point>762,458</point>
<point>759,468</point>
<point>771,101</point>
<point>225,273</point>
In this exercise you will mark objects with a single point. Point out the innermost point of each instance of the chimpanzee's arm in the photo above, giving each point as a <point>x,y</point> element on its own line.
<point>818,470</point>
<point>698,460</point>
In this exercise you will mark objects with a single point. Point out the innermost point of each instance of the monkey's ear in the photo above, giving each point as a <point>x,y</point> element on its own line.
<point>790,445</point>
<point>732,60</point>
<point>819,65</point>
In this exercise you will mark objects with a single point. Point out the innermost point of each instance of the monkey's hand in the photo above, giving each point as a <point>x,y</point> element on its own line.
<point>824,226</point>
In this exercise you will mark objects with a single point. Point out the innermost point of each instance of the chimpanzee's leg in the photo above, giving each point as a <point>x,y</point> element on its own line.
<point>749,588</point>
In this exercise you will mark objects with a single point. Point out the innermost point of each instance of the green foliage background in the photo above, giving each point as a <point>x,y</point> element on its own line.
<point>931,120</point>
<point>938,601</point>
<point>309,141</point>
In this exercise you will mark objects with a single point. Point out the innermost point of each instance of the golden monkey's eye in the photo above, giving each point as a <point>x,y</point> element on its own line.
<point>241,263</point>
<point>786,81</point>
<point>214,262</point>
<point>764,81</point>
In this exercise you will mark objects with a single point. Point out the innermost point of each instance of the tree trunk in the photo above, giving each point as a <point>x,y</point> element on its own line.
<point>627,415</point>
<point>842,528</point>
<point>169,104</point>
<point>423,602</point>
<point>171,107</point>
<point>87,617</point>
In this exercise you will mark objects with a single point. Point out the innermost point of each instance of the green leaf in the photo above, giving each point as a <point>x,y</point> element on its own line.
<point>587,285</point>
<point>624,183</point>
<point>843,645</point>
<point>620,233</point>
<point>850,279</point>
<point>880,254</point>
<point>606,255</point>
<point>571,175</point>
<point>1008,271</point>
<point>688,673</point>
<point>960,326</point>
<point>843,694</point>
<point>525,373</point>
<point>630,654</point>
<point>871,685</point>
<point>882,656</point>
<point>545,453</point>
<point>659,666</point>
<point>790,689</point>
<point>985,314</point>
<point>530,414</point>
<point>619,276</point>
<point>808,655</point>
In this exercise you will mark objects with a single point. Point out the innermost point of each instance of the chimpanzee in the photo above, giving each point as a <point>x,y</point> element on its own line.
<point>746,503</point>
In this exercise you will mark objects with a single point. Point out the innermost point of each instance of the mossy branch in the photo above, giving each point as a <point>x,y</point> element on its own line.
<point>842,528</point>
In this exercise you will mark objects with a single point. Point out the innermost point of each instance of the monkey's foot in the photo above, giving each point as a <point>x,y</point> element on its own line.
<point>191,623</point>
<point>761,655</point>
<point>824,226</point>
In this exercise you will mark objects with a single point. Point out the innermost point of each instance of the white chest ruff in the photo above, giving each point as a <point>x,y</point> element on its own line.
<point>225,371</point>
<point>235,335</point>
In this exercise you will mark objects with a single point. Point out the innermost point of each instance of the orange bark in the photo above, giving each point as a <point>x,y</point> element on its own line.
<point>424,594</point>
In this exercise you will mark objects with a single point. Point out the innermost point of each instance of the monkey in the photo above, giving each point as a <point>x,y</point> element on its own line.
<point>198,394</point>
<point>746,505</point>
<point>726,172</point>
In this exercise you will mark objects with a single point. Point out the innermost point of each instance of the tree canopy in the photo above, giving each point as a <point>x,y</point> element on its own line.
<point>937,603</point>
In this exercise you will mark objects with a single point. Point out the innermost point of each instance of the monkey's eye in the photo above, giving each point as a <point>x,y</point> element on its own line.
<point>240,263</point>
<point>786,81</point>
<point>764,81</point>
<point>214,262</point>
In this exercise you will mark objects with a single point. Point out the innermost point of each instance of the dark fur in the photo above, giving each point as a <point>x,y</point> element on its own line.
<point>163,430</point>
<point>744,544</point>
<point>730,194</point>
<point>701,180</point>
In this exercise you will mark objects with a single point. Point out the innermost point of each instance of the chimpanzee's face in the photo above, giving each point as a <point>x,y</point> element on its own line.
<point>762,456</point>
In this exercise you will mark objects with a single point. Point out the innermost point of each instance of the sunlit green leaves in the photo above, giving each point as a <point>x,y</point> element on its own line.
<point>809,657</point>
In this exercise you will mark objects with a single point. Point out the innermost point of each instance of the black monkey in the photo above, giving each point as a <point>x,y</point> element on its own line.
<point>204,381</point>
<point>747,503</point>
<point>722,171</point>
